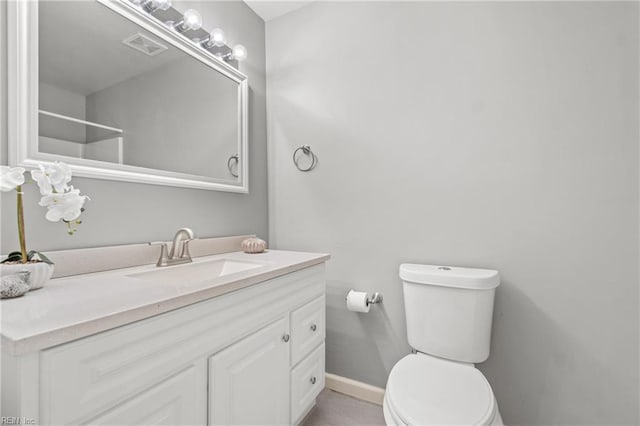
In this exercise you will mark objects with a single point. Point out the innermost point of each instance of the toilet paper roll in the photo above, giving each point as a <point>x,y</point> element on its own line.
<point>357,301</point>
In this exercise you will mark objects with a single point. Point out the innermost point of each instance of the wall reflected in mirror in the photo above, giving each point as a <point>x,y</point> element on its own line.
<point>110,91</point>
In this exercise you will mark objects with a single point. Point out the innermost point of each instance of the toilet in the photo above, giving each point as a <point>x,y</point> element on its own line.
<point>448,311</point>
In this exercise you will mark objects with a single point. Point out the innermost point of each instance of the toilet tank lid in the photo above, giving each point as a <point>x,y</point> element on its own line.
<point>450,276</point>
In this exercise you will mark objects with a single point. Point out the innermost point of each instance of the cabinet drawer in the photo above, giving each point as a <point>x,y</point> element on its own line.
<point>307,380</point>
<point>307,328</point>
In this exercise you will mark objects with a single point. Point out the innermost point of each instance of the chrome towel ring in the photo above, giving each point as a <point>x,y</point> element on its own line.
<point>230,164</point>
<point>306,150</point>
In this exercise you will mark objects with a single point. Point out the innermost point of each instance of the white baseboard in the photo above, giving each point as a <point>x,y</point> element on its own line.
<point>354,388</point>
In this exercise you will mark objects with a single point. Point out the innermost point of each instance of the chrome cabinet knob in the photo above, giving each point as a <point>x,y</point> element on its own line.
<point>314,327</point>
<point>285,338</point>
<point>313,380</point>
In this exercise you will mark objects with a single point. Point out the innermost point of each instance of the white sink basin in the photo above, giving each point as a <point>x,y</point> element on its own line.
<point>195,272</point>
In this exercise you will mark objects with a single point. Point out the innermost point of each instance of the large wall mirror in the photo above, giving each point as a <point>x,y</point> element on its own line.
<point>118,95</point>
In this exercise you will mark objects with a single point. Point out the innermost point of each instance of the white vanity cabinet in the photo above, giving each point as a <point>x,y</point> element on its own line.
<point>251,356</point>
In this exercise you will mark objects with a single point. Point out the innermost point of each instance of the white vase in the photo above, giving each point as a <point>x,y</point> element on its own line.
<point>40,272</point>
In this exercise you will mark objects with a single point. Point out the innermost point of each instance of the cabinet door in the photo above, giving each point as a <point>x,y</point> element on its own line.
<point>174,401</point>
<point>249,381</point>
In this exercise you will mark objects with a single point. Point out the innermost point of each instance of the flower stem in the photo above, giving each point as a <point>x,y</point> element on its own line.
<point>23,243</point>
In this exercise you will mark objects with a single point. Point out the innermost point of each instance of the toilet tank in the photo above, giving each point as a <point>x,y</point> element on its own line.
<point>449,310</point>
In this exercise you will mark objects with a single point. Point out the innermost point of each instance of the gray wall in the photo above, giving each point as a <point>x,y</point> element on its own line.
<point>126,213</point>
<point>501,135</point>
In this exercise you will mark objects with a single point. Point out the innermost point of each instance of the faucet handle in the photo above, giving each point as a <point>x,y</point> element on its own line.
<point>162,260</point>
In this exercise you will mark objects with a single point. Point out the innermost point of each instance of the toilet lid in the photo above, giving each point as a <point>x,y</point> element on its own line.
<point>424,390</point>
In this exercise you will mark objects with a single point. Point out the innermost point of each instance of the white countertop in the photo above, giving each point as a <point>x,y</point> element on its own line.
<point>73,307</point>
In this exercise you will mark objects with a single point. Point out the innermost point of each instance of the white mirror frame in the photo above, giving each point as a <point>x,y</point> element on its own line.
<point>22,20</point>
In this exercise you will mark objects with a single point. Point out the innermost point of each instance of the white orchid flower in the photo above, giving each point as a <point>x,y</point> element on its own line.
<point>65,205</point>
<point>55,176</point>
<point>59,176</point>
<point>10,178</point>
<point>41,178</point>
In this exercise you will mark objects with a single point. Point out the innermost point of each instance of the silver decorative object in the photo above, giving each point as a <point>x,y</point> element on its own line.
<point>15,285</point>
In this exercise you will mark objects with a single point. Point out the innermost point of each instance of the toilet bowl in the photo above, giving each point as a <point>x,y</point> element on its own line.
<point>449,312</point>
<point>426,390</point>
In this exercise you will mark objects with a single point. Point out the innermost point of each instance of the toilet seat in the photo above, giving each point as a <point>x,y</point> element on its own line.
<point>425,390</point>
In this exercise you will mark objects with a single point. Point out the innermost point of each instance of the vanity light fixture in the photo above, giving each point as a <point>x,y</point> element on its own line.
<point>191,20</point>
<point>153,5</point>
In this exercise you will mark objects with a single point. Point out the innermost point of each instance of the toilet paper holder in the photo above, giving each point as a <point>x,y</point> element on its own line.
<point>374,299</point>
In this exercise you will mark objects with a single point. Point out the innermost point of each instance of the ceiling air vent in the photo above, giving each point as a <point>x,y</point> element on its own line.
<point>144,44</point>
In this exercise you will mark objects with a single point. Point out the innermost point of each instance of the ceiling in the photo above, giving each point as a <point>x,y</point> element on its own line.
<point>268,9</point>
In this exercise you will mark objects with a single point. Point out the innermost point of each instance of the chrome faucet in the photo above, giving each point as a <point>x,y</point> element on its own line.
<point>179,249</point>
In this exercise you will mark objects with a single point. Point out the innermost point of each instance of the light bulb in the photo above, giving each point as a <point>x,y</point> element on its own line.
<point>217,38</point>
<point>191,20</point>
<point>239,53</point>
